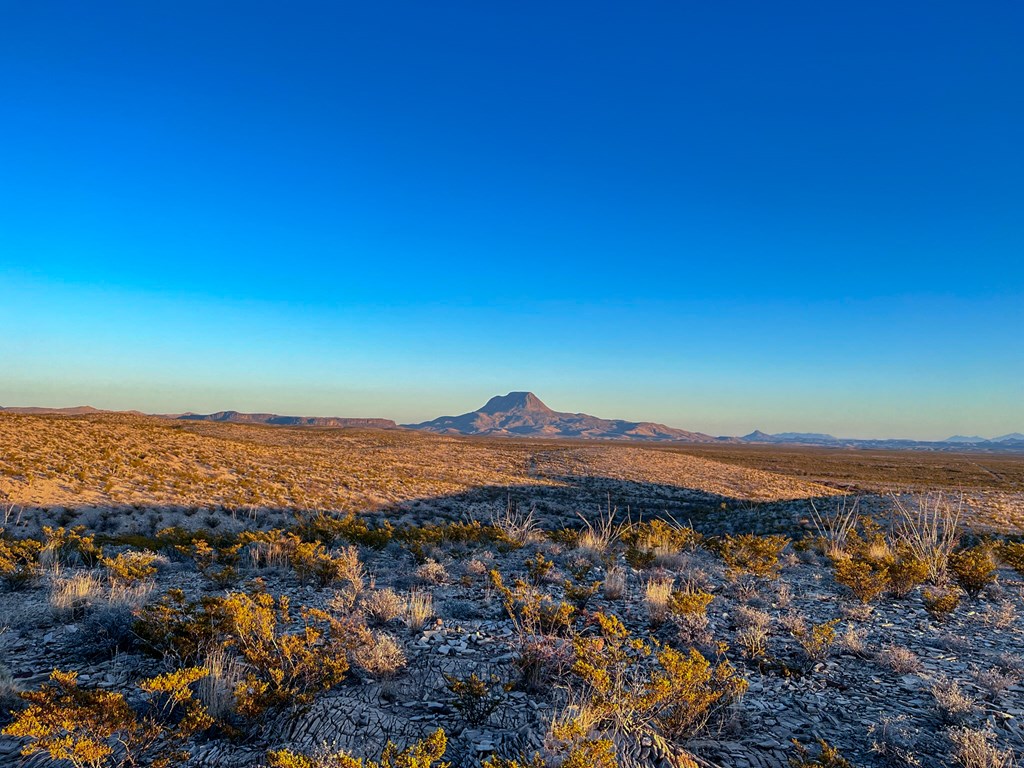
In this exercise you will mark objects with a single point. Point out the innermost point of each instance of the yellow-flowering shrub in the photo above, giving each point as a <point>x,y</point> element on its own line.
<point>425,753</point>
<point>96,729</point>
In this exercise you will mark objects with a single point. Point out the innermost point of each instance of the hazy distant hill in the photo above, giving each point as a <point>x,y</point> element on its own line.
<point>522,414</point>
<point>757,436</point>
<point>289,421</point>
<point>1011,443</point>
<point>78,410</point>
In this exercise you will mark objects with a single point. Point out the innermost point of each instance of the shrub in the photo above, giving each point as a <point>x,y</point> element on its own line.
<point>92,729</point>
<point>757,555</point>
<point>816,642</point>
<point>69,546</point>
<point>826,756</point>
<point>538,567</point>
<point>973,568</point>
<point>286,668</point>
<point>129,568</point>
<point>1012,553</point>
<point>940,603</point>
<point>974,749</point>
<point>182,629</point>
<point>476,699</point>
<point>106,631</point>
<point>432,572</point>
<point>614,584</point>
<point>379,655</point>
<point>906,571</point>
<point>218,564</point>
<point>676,694</point>
<point>383,605</point>
<point>580,594</point>
<point>864,580</point>
<point>419,609</point>
<point>19,561</point>
<point>534,611</point>
<point>422,754</point>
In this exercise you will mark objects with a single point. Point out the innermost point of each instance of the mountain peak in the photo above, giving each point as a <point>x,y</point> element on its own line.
<point>515,401</point>
<point>523,414</point>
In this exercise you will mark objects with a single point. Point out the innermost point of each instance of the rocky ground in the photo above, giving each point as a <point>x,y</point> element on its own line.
<point>876,693</point>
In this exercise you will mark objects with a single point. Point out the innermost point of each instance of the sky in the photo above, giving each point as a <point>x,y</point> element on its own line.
<point>792,216</point>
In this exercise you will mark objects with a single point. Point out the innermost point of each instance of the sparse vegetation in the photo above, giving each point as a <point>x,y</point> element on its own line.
<point>352,603</point>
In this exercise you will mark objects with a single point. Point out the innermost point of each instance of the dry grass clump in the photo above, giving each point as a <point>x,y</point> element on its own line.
<point>952,703</point>
<point>614,585</point>
<point>598,536</point>
<point>379,655</point>
<point>895,740</point>
<point>70,597</point>
<point>224,674</point>
<point>973,748</point>
<point>382,605</point>
<point>657,594</point>
<point>900,660</point>
<point>518,527</point>
<point>432,572</point>
<point>854,641</point>
<point>419,609</point>
<point>311,560</point>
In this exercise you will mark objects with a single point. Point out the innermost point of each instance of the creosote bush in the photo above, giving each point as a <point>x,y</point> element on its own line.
<point>973,568</point>
<point>426,753</point>
<point>96,729</point>
<point>130,567</point>
<point>19,561</point>
<point>757,555</point>
<point>825,756</point>
<point>477,699</point>
<point>633,683</point>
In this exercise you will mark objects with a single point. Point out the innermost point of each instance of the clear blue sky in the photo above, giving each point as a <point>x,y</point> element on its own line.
<point>719,215</point>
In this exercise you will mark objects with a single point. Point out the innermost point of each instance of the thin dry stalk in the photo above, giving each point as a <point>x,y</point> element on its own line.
<point>835,527</point>
<point>929,528</point>
<point>419,610</point>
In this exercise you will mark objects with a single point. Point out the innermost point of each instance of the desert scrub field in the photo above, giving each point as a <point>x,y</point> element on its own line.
<point>348,641</point>
<point>118,474</point>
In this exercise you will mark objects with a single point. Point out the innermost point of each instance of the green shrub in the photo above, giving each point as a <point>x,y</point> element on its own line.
<point>973,568</point>
<point>758,555</point>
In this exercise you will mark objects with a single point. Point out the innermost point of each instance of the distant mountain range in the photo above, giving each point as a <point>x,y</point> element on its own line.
<point>273,419</point>
<point>523,414</point>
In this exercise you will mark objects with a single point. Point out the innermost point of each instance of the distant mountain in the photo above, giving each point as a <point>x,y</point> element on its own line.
<point>522,414</point>
<point>78,410</point>
<point>1006,438</point>
<point>757,436</point>
<point>966,439</point>
<point>288,421</point>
